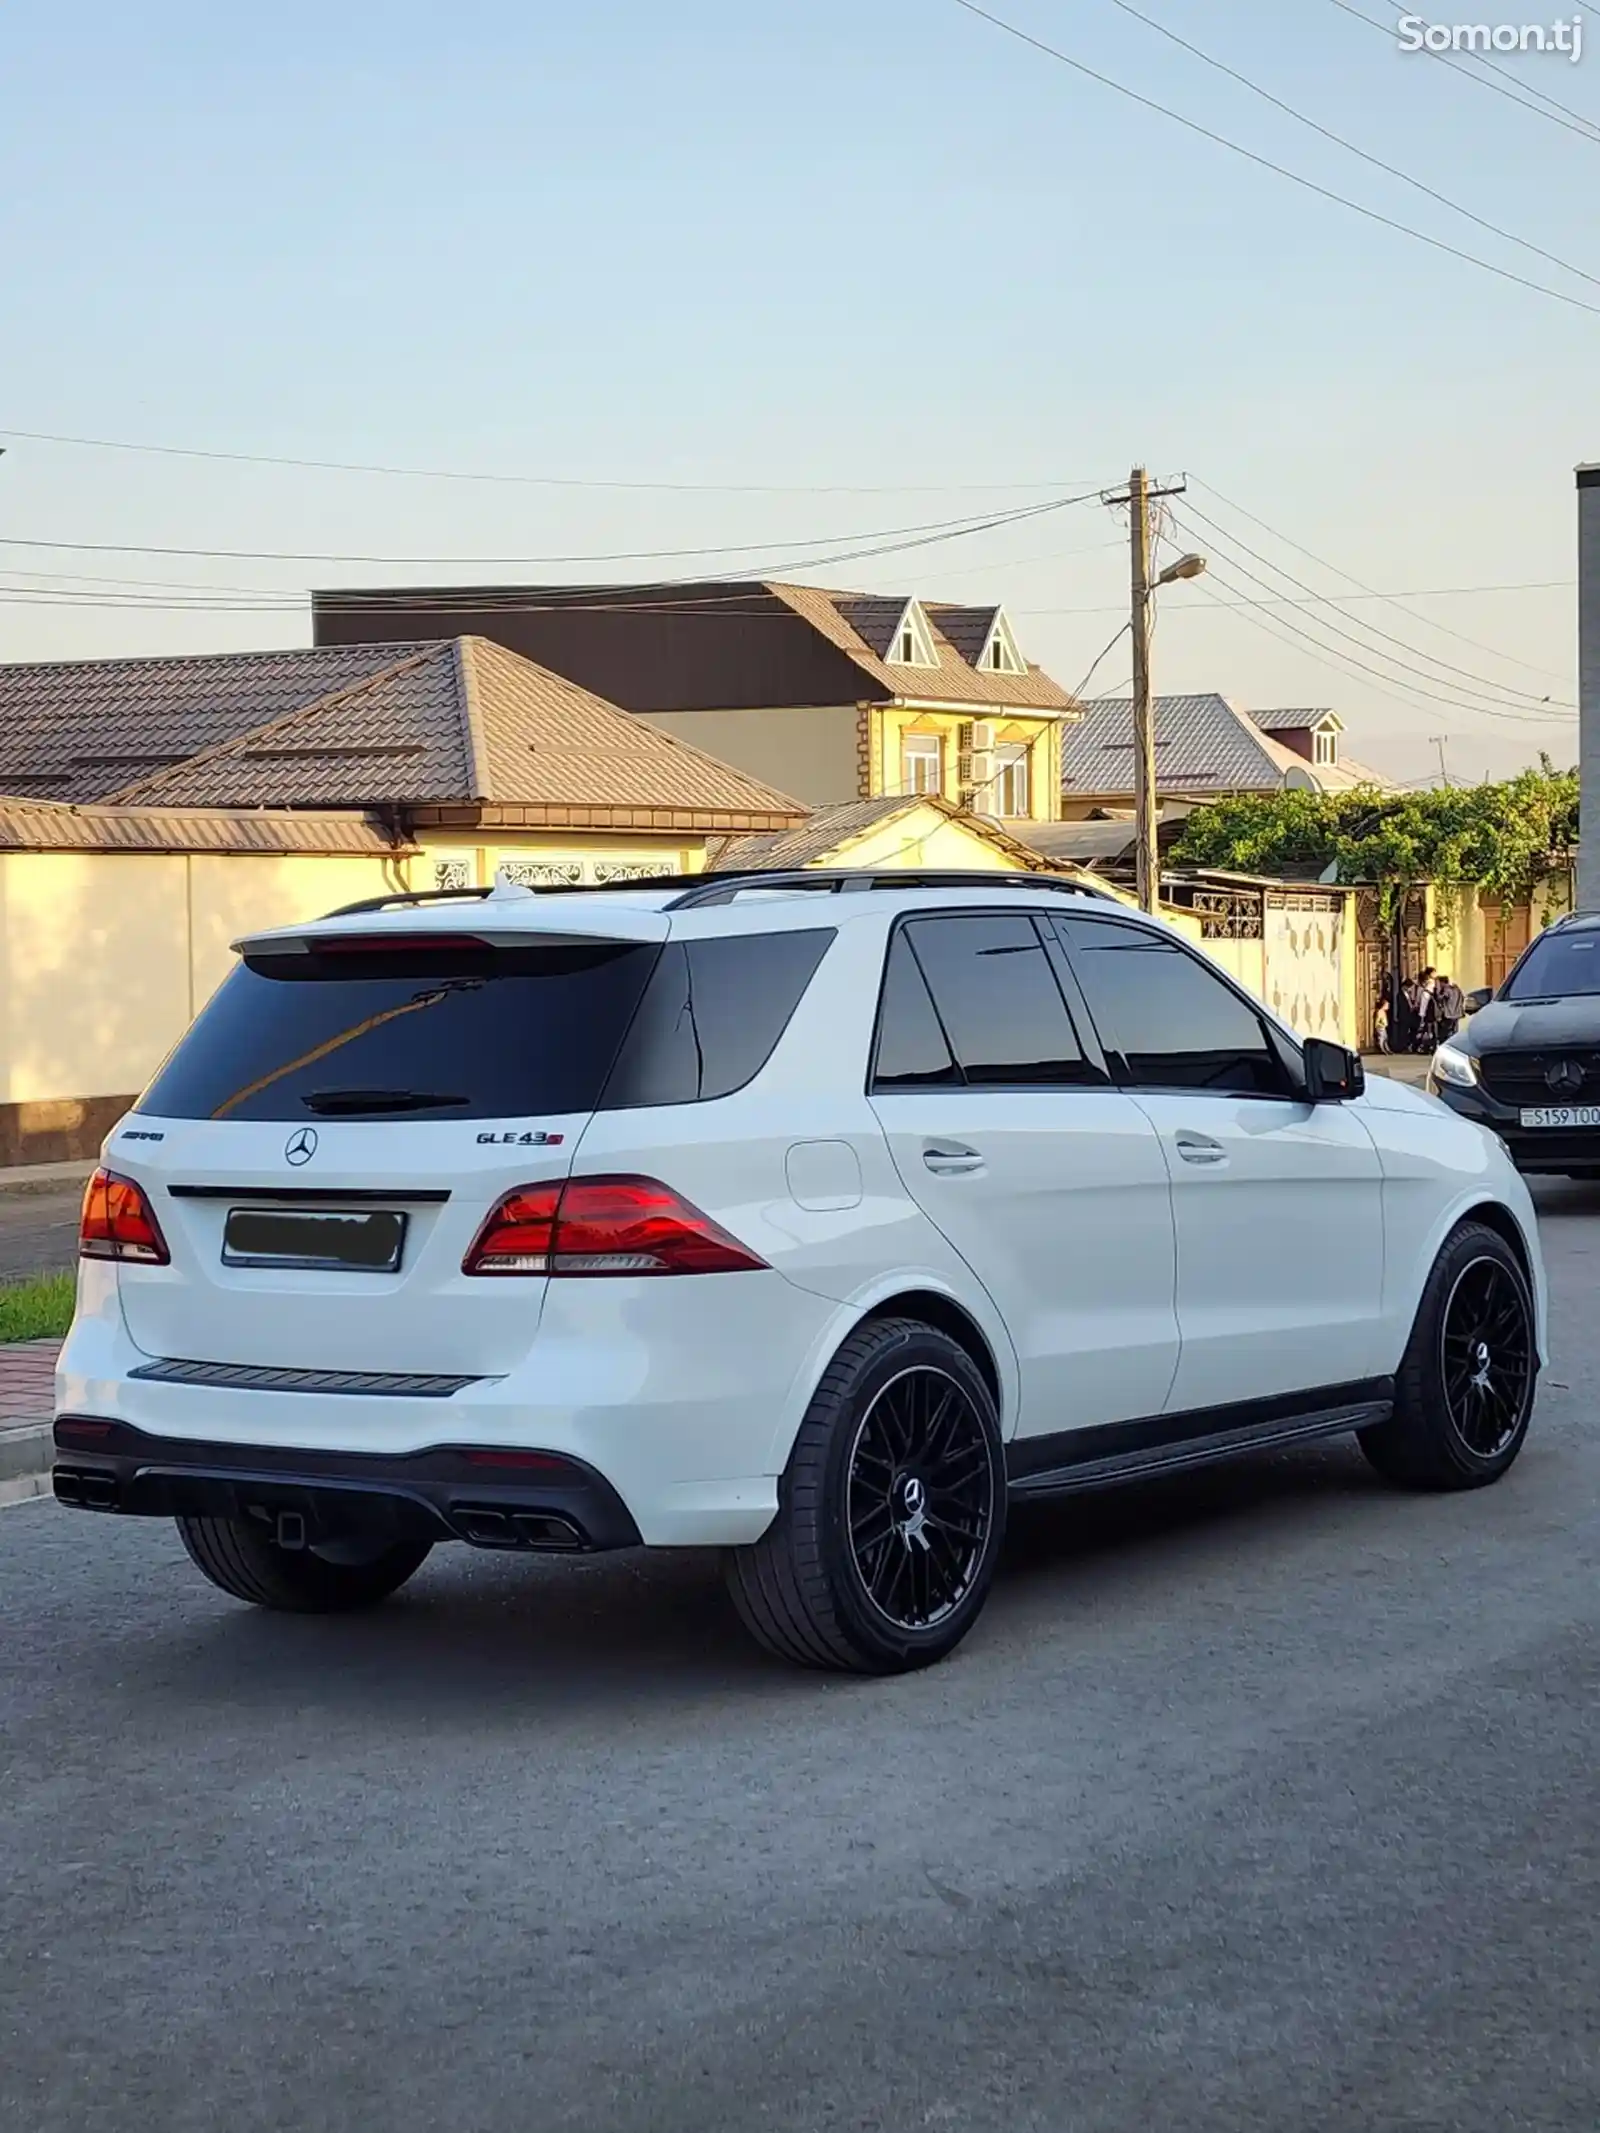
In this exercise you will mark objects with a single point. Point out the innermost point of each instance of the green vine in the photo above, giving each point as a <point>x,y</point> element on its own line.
<point>1503,840</point>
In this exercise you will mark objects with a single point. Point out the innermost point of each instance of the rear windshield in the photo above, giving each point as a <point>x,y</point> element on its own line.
<point>462,1033</point>
<point>1556,966</point>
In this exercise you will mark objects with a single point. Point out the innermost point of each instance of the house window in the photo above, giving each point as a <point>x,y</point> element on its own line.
<point>1000,654</point>
<point>922,763</point>
<point>1010,786</point>
<point>912,644</point>
<point>1326,745</point>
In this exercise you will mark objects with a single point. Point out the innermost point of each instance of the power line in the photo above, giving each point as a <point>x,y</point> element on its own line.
<point>1483,684</point>
<point>1382,678</point>
<point>645,598</point>
<point>616,555</point>
<point>1339,141</point>
<point>1370,214</point>
<point>1392,600</point>
<point>538,481</point>
<point>1559,115</point>
<point>1409,592</point>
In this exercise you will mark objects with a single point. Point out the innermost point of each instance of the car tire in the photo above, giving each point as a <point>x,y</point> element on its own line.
<point>1465,1388</point>
<point>250,1566</point>
<point>891,1510</point>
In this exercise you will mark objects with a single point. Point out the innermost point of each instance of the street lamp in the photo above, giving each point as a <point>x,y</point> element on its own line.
<point>1187,566</point>
<point>1144,723</point>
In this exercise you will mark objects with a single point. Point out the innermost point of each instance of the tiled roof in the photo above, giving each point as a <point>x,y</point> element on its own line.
<point>967,628</point>
<point>1293,718</point>
<point>465,722</point>
<point>1203,744</point>
<point>739,644</point>
<point>81,730</point>
<point>48,826</point>
<point>831,829</point>
<point>952,681</point>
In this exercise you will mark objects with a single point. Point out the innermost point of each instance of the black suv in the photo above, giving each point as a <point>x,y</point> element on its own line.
<point>1527,1063</point>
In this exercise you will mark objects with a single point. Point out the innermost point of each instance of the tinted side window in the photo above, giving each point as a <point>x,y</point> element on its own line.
<point>1556,967</point>
<point>1172,1023</point>
<point>711,1016</point>
<point>449,1033</point>
<point>912,1051</point>
<point>999,1002</point>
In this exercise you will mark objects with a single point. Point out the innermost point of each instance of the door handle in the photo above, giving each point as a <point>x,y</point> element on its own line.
<point>1200,1148</point>
<point>951,1159</point>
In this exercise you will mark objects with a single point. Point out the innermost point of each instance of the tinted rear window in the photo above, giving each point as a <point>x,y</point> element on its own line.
<point>1557,966</point>
<point>712,1014</point>
<point>505,1034</point>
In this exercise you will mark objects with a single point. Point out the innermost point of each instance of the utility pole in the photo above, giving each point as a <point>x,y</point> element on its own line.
<point>1588,898</point>
<point>1139,498</point>
<point>1439,740</point>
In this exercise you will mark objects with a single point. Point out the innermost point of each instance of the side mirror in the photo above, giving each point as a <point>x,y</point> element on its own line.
<point>1333,1075</point>
<point>1480,998</point>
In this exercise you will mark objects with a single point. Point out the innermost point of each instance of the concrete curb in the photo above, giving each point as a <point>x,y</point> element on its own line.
<point>26,1452</point>
<point>26,1178</point>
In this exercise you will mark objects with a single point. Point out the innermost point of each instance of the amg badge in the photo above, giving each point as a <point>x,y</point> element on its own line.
<point>520,1140</point>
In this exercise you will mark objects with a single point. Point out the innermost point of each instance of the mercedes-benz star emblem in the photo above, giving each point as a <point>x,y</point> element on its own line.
<point>1565,1078</point>
<point>301,1146</point>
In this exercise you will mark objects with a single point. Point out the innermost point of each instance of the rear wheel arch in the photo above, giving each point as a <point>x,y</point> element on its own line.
<point>945,1315</point>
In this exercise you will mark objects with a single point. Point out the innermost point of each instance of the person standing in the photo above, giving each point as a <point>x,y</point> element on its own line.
<point>1426,1006</point>
<point>1449,1006</point>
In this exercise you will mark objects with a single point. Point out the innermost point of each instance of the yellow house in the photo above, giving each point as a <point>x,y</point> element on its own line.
<point>832,696</point>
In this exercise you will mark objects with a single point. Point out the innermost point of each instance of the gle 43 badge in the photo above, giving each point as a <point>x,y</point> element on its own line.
<point>520,1140</point>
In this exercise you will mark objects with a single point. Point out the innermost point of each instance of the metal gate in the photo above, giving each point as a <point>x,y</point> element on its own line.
<point>1375,953</point>
<point>1302,934</point>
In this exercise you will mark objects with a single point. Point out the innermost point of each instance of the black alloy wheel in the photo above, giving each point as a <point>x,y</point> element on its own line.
<point>891,1510</point>
<point>1465,1387</point>
<point>1486,1359</point>
<point>921,1498</point>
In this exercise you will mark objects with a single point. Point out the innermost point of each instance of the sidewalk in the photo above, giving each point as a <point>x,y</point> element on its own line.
<point>27,1403</point>
<point>1399,1066</point>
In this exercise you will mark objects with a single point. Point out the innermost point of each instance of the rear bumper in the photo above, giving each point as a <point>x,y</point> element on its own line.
<point>1536,1150</point>
<point>490,1497</point>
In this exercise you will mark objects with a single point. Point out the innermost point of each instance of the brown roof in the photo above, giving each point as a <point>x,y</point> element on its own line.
<point>953,681</point>
<point>735,645</point>
<point>48,826</point>
<point>82,729</point>
<point>467,723</point>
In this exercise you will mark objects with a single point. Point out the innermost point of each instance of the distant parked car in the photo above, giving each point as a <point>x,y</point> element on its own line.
<point>765,1215</point>
<point>1527,1062</point>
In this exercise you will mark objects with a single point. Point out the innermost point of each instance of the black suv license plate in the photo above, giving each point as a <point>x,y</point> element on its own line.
<point>332,1239</point>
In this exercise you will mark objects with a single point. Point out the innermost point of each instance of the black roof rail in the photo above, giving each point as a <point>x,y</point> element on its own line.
<point>405,896</point>
<point>723,888</point>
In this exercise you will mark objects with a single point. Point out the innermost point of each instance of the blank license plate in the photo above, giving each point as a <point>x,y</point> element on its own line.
<point>1563,1115</point>
<point>365,1241</point>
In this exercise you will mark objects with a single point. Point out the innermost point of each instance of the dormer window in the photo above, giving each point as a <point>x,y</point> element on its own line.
<point>1000,654</point>
<point>1325,747</point>
<point>912,642</point>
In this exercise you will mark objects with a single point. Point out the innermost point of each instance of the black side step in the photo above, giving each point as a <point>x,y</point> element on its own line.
<point>1077,1460</point>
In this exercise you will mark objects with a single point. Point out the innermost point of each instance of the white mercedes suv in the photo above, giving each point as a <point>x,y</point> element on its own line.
<point>814,1218</point>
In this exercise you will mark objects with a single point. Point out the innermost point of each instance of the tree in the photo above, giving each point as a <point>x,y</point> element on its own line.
<point>1501,839</point>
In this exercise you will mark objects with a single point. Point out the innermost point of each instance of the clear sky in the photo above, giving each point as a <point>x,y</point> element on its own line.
<point>869,243</point>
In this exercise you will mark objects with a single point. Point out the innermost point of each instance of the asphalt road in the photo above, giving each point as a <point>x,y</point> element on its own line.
<point>1263,1803</point>
<point>38,1231</point>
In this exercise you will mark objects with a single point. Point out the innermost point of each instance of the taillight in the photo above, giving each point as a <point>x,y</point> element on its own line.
<point>604,1226</point>
<point>119,1223</point>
